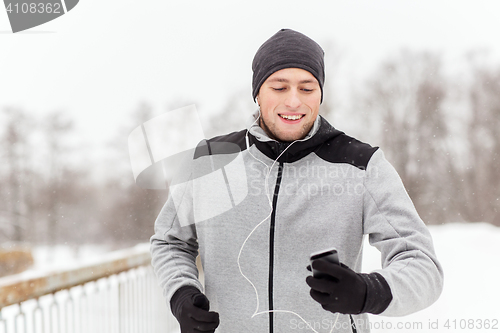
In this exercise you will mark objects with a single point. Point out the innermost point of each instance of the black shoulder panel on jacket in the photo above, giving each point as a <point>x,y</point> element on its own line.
<point>345,149</point>
<point>224,144</point>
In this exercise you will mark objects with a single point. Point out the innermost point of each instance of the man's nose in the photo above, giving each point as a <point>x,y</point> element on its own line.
<point>293,99</point>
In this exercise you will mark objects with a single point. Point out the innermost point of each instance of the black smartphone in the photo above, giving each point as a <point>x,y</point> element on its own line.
<point>331,255</point>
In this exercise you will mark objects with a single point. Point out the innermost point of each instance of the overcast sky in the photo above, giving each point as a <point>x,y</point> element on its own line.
<point>98,61</point>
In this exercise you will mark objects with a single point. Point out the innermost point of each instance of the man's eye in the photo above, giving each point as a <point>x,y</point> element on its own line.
<point>307,90</point>
<point>278,89</point>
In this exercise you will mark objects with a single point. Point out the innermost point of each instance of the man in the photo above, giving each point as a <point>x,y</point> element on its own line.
<point>306,187</point>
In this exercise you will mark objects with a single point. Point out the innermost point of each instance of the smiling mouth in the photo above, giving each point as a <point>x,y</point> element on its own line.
<point>291,117</point>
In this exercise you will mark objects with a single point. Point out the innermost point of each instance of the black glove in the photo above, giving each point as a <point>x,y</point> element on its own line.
<point>346,291</point>
<point>191,308</point>
<point>342,290</point>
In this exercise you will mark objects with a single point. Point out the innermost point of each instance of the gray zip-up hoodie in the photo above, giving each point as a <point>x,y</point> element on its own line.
<point>255,219</point>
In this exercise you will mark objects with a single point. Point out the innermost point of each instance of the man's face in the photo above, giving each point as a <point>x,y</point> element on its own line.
<point>289,103</point>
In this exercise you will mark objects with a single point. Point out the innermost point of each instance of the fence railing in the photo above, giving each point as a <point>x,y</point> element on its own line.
<point>117,294</point>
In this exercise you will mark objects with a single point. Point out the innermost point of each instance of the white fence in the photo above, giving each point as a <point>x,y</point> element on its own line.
<point>117,294</point>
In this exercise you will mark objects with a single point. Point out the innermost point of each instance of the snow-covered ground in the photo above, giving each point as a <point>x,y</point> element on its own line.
<point>47,258</point>
<point>469,253</point>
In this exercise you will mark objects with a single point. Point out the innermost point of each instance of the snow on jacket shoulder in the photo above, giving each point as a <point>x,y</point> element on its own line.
<point>255,219</point>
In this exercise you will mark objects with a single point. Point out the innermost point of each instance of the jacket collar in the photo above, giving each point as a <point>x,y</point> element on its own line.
<point>321,132</point>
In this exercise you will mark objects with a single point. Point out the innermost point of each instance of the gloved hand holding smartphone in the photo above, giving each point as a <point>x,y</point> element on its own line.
<point>334,285</point>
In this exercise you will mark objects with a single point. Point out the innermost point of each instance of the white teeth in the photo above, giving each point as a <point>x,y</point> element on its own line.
<point>290,117</point>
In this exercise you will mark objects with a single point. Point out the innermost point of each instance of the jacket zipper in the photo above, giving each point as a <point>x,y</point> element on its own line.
<point>271,246</point>
<point>353,326</point>
<point>280,147</point>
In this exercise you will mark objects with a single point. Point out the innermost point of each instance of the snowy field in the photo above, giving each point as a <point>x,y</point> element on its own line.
<point>469,254</point>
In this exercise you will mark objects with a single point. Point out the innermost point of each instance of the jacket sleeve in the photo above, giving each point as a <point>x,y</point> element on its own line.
<point>174,245</point>
<point>409,263</point>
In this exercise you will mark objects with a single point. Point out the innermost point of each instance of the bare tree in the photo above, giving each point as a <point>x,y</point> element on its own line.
<point>332,102</point>
<point>56,129</point>
<point>129,211</point>
<point>405,99</point>
<point>16,153</point>
<point>235,115</point>
<point>480,188</point>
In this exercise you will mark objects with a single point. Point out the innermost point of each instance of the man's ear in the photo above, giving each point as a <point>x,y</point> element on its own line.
<point>257,99</point>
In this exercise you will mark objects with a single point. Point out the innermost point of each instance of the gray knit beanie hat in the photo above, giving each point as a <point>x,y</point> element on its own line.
<point>287,49</point>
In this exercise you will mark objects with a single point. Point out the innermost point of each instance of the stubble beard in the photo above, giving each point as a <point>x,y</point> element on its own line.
<point>271,135</point>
